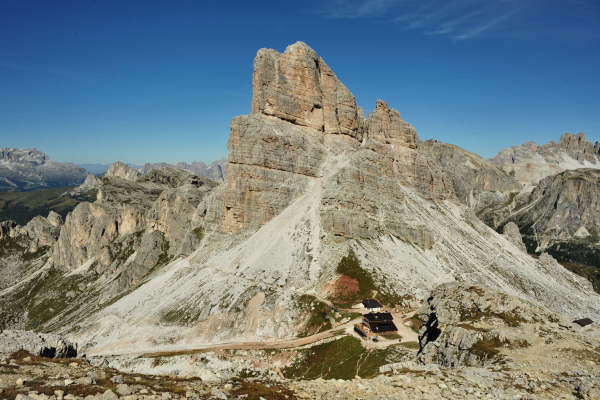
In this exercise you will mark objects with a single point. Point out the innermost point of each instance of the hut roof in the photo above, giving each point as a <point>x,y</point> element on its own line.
<point>583,322</point>
<point>371,303</point>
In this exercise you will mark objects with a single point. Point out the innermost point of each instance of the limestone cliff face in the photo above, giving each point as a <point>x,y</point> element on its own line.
<point>299,87</point>
<point>579,148</point>
<point>88,230</point>
<point>530,163</point>
<point>386,126</point>
<point>270,162</point>
<point>111,229</point>
<point>367,194</point>
<point>301,115</point>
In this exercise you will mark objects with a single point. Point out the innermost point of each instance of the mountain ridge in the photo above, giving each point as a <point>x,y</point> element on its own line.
<point>29,169</point>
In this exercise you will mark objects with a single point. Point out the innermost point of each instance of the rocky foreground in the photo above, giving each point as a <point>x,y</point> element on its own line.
<point>474,343</point>
<point>25,377</point>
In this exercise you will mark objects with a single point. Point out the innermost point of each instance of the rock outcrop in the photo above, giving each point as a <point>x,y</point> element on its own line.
<point>530,163</point>
<point>38,344</point>
<point>512,234</point>
<point>468,324</point>
<point>7,229</point>
<point>561,217</point>
<point>272,160</point>
<point>28,169</point>
<point>110,229</point>
<point>215,170</point>
<point>38,233</point>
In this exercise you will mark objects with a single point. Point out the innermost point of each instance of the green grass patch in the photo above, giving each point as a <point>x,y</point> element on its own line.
<point>474,314</point>
<point>198,233</point>
<point>487,348</point>
<point>350,266</point>
<point>591,273</point>
<point>11,246</point>
<point>319,313</point>
<point>411,345</point>
<point>416,323</point>
<point>43,298</point>
<point>470,327</point>
<point>343,358</point>
<point>497,207</point>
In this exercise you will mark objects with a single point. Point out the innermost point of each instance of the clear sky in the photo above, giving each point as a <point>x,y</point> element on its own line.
<point>97,81</point>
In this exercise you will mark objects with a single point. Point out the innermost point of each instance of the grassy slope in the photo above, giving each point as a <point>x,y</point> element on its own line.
<point>350,266</point>
<point>343,358</point>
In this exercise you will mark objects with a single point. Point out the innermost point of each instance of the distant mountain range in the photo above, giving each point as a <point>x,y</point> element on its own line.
<point>28,169</point>
<point>214,170</point>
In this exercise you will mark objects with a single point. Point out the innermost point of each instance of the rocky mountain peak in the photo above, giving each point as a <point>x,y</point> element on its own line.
<point>578,147</point>
<point>385,125</point>
<point>123,171</point>
<point>28,169</point>
<point>299,87</point>
<point>31,156</point>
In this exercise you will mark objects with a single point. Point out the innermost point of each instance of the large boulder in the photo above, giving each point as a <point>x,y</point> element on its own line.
<point>512,234</point>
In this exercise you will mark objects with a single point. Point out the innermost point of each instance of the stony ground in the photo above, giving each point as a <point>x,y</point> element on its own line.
<point>27,377</point>
<point>23,376</point>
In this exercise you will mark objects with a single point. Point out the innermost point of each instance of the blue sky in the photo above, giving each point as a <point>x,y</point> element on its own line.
<point>137,81</point>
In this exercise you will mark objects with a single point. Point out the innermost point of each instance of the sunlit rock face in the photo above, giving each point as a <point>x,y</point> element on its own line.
<point>301,115</point>
<point>298,86</point>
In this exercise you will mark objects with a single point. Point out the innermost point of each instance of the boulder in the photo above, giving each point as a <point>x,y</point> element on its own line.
<point>512,234</point>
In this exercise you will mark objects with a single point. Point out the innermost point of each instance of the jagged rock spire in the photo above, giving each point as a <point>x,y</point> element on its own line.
<point>299,87</point>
